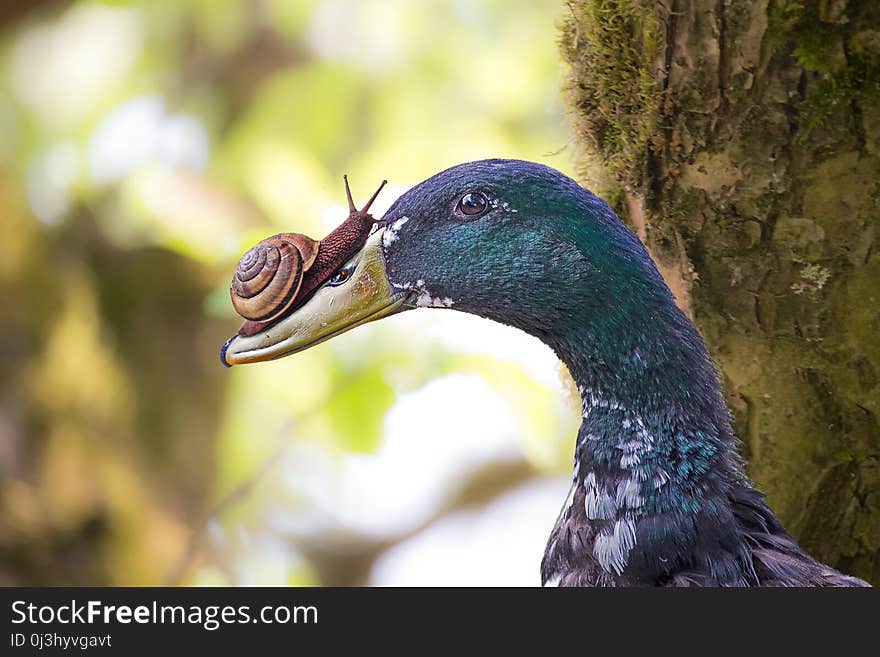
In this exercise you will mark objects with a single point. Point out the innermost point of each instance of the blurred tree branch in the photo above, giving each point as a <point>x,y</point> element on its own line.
<point>345,558</point>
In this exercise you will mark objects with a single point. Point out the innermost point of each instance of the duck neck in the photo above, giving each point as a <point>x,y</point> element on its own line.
<point>654,457</point>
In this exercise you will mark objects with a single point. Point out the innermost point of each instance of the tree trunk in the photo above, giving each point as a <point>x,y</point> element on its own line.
<point>741,140</point>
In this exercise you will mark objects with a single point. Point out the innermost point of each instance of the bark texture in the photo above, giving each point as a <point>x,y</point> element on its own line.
<point>741,139</point>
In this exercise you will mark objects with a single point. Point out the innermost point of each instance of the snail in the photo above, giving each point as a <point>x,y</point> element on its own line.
<point>281,271</point>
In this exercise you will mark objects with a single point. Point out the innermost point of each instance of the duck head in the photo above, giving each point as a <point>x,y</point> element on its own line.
<point>508,240</point>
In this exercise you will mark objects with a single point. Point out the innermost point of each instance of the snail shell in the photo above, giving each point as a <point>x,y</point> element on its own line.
<point>269,275</point>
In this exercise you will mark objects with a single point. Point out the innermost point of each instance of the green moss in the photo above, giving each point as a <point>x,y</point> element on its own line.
<point>837,54</point>
<point>687,208</point>
<point>611,48</point>
<point>803,26</point>
<point>827,95</point>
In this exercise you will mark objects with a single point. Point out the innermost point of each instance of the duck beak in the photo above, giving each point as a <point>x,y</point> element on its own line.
<point>332,310</point>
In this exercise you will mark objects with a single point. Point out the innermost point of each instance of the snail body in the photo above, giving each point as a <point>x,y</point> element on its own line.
<point>281,271</point>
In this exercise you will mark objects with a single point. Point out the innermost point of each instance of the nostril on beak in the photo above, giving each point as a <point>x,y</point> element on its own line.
<point>223,351</point>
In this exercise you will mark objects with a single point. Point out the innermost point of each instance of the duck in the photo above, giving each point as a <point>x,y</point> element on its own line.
<point>659,493</point>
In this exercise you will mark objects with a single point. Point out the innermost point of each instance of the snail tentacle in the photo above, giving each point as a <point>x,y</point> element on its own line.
<point>282,270</point>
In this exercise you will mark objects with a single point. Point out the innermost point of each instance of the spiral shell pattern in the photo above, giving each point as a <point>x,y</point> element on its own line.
<point>283,270</point>
<point>269,275</point>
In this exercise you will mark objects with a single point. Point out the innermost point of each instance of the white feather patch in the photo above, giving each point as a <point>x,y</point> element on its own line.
<point>390,235</point>
<point>611,548</point>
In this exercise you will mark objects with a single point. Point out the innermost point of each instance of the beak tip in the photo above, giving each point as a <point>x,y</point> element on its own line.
<point>223,350</point>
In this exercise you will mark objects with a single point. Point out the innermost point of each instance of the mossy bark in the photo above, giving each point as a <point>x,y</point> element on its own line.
<point>742,141</point>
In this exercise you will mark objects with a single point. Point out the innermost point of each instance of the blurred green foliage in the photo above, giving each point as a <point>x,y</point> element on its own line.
<point>143,146</point>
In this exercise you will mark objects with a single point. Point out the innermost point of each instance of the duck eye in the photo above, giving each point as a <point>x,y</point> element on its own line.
<point>473,204</point>
<point>340,276</point>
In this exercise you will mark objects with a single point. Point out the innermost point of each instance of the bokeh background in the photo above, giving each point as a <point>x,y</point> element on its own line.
<point>143,147</point>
